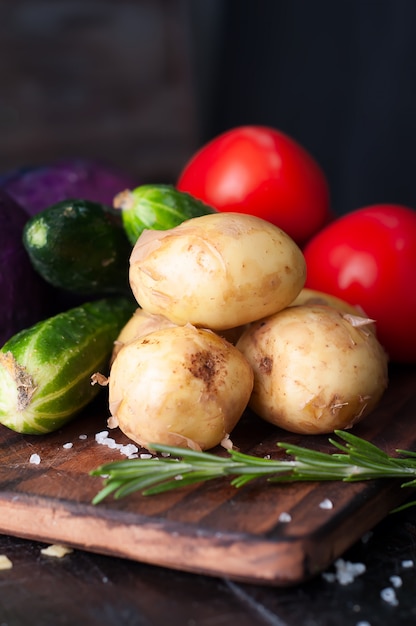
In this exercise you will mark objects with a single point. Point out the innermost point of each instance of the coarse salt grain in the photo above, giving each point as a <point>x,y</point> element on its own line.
<point>407,563</point>
<point>396,581</point>
<point>345,572</point>
<point>5,562</point>
<point>99,437</point>
<point>363,623</point>
<point>128,449</point>
<point>111,443</point>
<point>83,437</point>
<point>34,459</point>
<point>285,517</point>
<point>326,504</point>
<point>389,595</point>
<point>68,445</point>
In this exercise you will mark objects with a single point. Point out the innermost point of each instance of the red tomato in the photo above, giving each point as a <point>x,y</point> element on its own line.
<point>368,257</point>
<point>261,171</point>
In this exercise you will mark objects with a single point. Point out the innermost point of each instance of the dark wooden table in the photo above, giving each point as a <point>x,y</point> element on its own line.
<point>94,590</point>
<point>90,589</point>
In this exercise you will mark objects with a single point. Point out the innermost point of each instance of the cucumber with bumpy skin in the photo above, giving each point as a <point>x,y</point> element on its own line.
<point>79,246</point>
<point>45,370</point>
<point>156,207</point>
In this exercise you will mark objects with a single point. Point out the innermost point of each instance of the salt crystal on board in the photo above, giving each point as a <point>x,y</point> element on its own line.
<point>396,581</point>
<point>345,572</point>
<point>326,504</point>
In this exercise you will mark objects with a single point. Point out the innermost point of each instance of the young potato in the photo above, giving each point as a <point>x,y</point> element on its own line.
<point>218,271</point>
<point>314,370</point>
<point>141,323</point>
<point>179,386</point>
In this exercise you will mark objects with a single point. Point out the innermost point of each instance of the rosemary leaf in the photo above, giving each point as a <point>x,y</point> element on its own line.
<point>354,459</point>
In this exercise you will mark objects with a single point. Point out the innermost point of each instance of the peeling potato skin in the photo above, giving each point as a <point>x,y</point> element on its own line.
<point>217,271</point>
<point>179,386</point>
<point>314,372</point>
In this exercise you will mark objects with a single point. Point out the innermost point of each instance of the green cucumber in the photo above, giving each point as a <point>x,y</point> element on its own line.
<point>45,370</point>
<point>79,246</point>
<point>156,207</point>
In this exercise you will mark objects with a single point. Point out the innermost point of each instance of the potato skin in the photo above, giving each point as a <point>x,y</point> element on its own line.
<point>312,297</point>
<point>217,271</point>
<point>179,386</point>
<point>314,372</point>
<point>141,323</point>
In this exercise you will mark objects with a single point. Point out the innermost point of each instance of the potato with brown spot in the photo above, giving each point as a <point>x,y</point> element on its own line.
<point>314,370</point>
<point>179,386</point>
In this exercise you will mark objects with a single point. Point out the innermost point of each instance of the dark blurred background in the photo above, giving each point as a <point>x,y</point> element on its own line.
<point>143,83</point>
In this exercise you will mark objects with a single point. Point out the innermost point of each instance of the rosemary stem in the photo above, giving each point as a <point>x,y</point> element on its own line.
<point>355,460</point>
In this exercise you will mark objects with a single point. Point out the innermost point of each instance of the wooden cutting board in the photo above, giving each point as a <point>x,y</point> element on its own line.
<point>211,528</point>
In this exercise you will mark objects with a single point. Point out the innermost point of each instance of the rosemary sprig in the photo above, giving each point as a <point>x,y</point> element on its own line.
<point>355,460</point>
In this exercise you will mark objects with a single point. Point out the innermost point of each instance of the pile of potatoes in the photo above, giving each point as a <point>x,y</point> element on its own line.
<point>224,322</point>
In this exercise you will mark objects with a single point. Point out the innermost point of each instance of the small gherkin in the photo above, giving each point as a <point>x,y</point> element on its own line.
<point>156,207</point>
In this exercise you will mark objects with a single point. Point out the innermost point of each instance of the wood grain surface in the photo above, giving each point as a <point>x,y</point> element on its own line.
<point>211,528</point>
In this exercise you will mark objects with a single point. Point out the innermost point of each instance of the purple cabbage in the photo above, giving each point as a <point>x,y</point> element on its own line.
<point>36,188</point>
<point>23,293</point>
